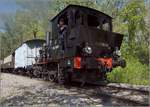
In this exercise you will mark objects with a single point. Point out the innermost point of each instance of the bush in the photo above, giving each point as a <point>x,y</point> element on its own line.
<point>134,73</point>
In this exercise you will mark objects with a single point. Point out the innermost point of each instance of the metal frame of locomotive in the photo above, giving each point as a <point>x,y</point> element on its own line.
<point>90,51</point>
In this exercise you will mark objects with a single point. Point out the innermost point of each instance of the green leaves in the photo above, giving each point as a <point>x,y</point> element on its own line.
<point>31,18</point>
<point>61,4</point>
<point>133,19</point>
<point>134,73</point>
<point>133,16</point>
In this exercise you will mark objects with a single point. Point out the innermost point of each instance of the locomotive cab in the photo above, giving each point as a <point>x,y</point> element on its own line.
<point>85,26</point>
<point>91,49</point>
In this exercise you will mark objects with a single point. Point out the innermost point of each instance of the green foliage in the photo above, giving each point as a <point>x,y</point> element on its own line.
<point>134,73</point>
<point>61,4</point>
<point>132,16</point>
<point>31,18</point>
<point>135,30</point>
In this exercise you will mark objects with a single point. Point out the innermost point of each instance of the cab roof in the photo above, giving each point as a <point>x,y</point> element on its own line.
<point>79,7</point>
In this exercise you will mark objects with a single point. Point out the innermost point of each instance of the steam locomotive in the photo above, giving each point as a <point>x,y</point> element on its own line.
<point>91,49</point>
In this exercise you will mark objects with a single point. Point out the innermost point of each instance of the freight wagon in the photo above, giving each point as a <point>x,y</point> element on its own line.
<point>23,56</point>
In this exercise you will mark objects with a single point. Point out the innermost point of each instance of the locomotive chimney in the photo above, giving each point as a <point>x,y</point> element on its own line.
<point>34,34</point>
<point>48,38</point>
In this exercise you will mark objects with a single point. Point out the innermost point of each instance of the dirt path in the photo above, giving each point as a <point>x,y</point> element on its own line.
<point>10,84</point>
<point>23,91</point>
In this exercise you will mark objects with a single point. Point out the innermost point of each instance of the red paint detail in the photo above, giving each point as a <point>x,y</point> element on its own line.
<point>106,61</point>
<point>77,62</point>
<point>42,62</point>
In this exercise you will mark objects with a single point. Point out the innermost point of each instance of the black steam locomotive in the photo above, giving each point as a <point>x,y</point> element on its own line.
<point>90,48</point>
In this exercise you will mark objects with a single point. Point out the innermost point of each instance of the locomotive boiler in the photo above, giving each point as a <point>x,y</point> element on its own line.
<point>90,50</point>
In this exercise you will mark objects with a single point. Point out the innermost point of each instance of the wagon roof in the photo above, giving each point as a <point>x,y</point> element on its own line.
<point>31,40</point>
<point>81,7</point>
<point>27,41</point>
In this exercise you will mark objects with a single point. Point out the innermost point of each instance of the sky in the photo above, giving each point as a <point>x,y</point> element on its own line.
<point>7,7</point>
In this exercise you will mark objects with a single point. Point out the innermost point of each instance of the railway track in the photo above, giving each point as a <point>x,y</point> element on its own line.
<point>122,93</point>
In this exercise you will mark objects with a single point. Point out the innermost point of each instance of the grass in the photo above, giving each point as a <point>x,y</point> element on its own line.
<point>134,73</point>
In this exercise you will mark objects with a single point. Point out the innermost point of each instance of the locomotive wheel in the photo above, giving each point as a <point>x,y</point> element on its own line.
<point>51,78</point>
<point>37,72</point>
<point>19,71</point>
<point>61,77</point>
<point>45,77</point>
<point>64,77</point>
<point>67,78</point>
<point>29,73</point>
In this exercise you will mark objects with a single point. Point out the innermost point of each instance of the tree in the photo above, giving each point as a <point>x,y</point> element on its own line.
<point>133,17</point>
<point>61,4</point>
<point>31,19</point>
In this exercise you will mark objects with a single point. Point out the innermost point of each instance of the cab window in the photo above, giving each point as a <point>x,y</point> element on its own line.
<point>64,17</point>
<point>92,21</point>
<point>79,18</point>
<point>105,25</point>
